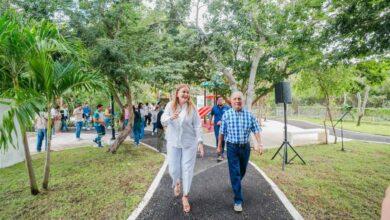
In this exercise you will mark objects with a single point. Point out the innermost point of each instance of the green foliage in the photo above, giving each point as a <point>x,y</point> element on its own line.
<point>88,184</point>
<point>360,26</point>
<point>334,184</point>
<point>324,83</point>
<point>370,73</point>
<point>39,66</point>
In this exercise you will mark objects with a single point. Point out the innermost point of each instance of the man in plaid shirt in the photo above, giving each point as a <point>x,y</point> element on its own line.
<point>237,124</point>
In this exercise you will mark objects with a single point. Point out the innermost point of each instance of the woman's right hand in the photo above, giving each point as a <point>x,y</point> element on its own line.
<point>175,115</point>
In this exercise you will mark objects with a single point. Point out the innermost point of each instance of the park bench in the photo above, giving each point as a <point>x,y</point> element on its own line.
<point>308,133</point>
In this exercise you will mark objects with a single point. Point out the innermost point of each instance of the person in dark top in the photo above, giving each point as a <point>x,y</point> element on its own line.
<point>217,112</point>
<point>138,125</point>
<point>160,130</point>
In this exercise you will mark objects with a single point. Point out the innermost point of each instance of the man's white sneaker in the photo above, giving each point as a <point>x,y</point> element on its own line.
<point>238,207</point>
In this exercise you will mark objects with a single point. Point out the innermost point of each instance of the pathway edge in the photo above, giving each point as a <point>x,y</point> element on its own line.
<point>152,188</point>
<point>289,206</point>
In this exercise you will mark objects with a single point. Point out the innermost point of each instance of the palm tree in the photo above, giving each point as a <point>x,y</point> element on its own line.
<point>55,69</point>
<point>15,43</point>
<point>38,66</point>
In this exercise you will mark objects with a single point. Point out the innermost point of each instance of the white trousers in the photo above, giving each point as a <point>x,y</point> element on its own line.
<point>181,163</point>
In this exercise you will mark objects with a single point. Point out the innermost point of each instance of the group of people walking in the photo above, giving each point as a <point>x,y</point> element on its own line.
<point>60,118</point>
<point>180,126</point>
<point>184,138</point>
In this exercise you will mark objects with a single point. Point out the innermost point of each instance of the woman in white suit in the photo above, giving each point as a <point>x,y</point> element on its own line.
<point>183,135</point>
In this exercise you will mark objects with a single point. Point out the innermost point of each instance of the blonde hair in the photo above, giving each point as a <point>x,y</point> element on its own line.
<point>175,102</point>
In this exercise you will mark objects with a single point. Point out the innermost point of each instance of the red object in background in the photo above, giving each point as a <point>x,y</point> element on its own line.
<point>211,97</point>
<point>202,113</point>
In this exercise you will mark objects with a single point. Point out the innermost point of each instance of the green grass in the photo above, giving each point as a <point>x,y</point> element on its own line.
<point>86,183</point>
<point>381,128</point>
<point>334,184</point>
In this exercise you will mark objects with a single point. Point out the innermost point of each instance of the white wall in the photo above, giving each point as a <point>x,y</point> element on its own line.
<point>11,156</point>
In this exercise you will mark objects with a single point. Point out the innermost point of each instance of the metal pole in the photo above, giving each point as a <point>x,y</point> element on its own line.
<point>204,101</point>
<point>342,136</point>
<point>112,118</point>
<point>285,134</point>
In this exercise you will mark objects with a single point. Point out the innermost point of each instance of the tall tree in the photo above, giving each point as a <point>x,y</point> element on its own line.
<point>254,44</point>
<point>54,70</point>
<point>16,40</point>
<point>368,74</point>
<point>327,83</point>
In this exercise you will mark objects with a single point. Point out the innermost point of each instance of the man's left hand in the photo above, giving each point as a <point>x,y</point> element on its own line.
<point>259,149</point>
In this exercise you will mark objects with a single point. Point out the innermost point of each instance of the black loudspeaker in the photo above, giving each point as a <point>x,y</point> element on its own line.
<point>283,93</point>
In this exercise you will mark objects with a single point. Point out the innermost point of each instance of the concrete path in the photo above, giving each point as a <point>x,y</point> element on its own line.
<point>67,140</point>
<point>273,135</point>
<point>347,134</point>
<point>211,195</point>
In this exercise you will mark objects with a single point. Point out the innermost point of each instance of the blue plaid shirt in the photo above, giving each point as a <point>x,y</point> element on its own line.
<point>237,125</point>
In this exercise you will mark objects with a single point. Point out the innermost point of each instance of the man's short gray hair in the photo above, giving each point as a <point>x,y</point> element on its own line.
<point>237,93</point>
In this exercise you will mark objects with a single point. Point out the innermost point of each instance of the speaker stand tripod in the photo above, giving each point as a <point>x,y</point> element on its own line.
<point>348,111</point>
<point>286,144</point>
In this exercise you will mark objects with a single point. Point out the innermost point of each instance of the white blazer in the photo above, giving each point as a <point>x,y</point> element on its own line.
<point>185,131</point>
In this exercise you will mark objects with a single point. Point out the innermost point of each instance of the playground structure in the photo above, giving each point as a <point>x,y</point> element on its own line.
<point>205,110</point>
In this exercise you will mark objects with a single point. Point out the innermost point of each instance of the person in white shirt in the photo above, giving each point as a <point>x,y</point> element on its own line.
<point>56,116</point>
<point>154,118</point>
<point>78,120</point>
<point>41,128</point>
<point>183,135</point>
<point>148,114</point>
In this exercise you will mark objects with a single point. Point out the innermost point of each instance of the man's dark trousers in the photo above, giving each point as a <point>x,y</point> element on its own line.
<point>216,132</point>
<point>238,157</point>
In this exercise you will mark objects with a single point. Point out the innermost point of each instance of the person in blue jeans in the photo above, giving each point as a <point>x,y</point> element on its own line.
<point>217,112</point>
<point>237,124</point>
<point>98,122</point>
<point>64,118</point>
<point>86,115</point>
<point>155,112</point>
<point>41,128</point>
<point>138,126</point>
<point>78,120</point>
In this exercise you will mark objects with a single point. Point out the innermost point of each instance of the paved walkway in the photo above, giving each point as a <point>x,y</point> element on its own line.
<point>347,133</point>
<point>211,194</point>
<point>67,140</point>
<point>273,135</point>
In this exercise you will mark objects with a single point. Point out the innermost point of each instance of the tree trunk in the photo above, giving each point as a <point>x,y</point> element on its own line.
<point>228,72</point>
<point>29,166</point>
<point>121,138</point>
<point>117,99</point>
<point>126,132</point>
<point>331,118</point>
<point>45,183</point>
<point>345,99</point>
<point>251,84</point>
<point>197,14</point>
<point>326,132</point>
<point>362,105</point>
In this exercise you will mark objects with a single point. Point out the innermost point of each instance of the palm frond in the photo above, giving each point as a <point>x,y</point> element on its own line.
<point>21,107</point>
